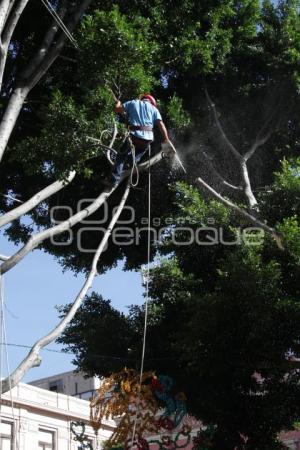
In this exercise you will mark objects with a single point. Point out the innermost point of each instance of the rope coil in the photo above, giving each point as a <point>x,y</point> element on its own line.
<point>134,168</point>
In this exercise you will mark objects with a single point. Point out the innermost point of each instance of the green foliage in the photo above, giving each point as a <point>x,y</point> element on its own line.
<point>283,199</point>
<point>179,119</point>
<point>290,229</point>
<point>192,205</point>
<point>66,129</point>
<point>116,51</point>
<point>98,326</point>
<point>289,176</point>
<point>219,313</point>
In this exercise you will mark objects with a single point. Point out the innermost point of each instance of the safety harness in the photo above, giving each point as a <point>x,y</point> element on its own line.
<point>139,128</point>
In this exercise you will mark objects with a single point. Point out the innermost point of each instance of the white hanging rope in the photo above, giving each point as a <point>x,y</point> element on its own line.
<point>10,385</point>
<point>146,304</point>
<point>134,168</point>
<point>3,344</point>
<point>60,23</point>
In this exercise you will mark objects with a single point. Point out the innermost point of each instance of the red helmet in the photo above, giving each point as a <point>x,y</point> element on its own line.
<point>150,98</point>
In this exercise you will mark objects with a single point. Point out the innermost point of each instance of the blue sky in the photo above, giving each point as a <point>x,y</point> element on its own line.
<point>35,286</point>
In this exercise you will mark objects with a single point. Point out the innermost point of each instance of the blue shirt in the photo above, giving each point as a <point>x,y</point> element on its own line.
<point>142,113</point>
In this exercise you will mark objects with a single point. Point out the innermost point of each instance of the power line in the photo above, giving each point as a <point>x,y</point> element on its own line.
<point>89,355</point>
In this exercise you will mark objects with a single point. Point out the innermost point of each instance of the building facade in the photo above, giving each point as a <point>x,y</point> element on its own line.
<point>37,419</point>
<point>43,415</point>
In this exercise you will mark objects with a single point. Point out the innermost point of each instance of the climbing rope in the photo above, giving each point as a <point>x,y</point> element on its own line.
<point>134,168</point>
<point>60,23</point>
<point>146,302</point>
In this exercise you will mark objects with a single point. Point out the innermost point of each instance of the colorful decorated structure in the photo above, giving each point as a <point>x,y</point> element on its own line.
<point>150,415</point>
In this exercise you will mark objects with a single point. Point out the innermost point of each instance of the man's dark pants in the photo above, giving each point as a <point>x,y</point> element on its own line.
<point>125,156</point>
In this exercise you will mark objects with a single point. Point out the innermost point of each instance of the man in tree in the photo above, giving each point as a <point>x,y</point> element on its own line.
<point>142,115</point>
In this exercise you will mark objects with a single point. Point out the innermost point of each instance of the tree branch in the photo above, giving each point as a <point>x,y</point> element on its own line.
<point>11,4</point>
<point>247,185</point>
<point>53,52</point>
<point>114,136</point>
<point>241,159</point>
<point>258,143</point>
<point>25,85</point>
<point>234,151</point>
<point>33,358</point>
<point>38,238</point>
<point>7,35</point>
<point>219,176</point>
<point>45,45</point>
<point>44,193</point>
<point>278,238</point>
<point>4,10</point>
<point>36,199</point>
<point>10,116</point>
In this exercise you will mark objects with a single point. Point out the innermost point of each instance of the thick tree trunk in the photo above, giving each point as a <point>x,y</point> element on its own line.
<point>252,202</point>
<point>4,8</point>
<point>33,358</point>
<point>38,66</point>
<point>12,20</point>
<point>10,116</point>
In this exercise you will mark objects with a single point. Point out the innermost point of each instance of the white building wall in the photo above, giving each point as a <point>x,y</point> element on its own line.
<point>70,383</point>
<point>35,409</point>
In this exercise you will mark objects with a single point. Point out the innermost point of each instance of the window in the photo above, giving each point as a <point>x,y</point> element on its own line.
<point>46,440</point>
<point>86,395</point>
<point>6,436</point>
<point>56,386</point>
<point>86,445</point>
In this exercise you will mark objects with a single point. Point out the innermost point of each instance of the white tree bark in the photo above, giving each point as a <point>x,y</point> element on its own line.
<point>10,116</point>
<point>36,199</point>
<point>44,193</point>
<point>247,185</point>
<point>38,66</point>
<point>33,358</point>
<point>4,8</point>
<point>245,214</point>
<point>13,18</point>
<point>38,70</point>
<point>241,159</point>
<point>38,238</point>
<point>11,5</point>
<point>45,44</point>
